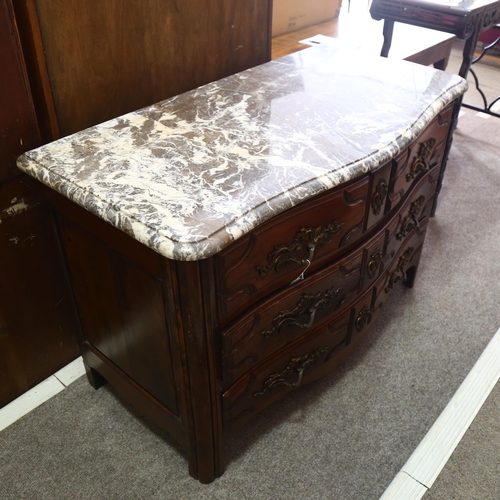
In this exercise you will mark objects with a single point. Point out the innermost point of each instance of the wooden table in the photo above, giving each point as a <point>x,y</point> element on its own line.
<point>357,29</point>
<point>465,20</point>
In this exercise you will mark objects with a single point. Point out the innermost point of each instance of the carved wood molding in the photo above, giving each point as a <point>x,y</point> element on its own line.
<point>410,222</point>
<point>364,317</point>
<point>379,196</point>
<point>374,263</point>
<point>400,273</point>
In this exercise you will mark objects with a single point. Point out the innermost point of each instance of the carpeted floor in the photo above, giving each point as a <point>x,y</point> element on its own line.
<point>473,471</point>
<point>344,437</point>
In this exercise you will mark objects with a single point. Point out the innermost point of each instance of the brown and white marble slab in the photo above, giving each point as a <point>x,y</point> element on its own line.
<point>191,174</point>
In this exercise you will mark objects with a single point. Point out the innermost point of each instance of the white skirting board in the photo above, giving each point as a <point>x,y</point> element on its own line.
<point>431,455</point>
<point>40,393</point>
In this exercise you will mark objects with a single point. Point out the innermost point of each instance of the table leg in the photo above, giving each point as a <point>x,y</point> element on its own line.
<point>441,64</point>
<point>387,32</point>
<point>468,53</point>
<point>96,380</point>
<point>487,106</point>
<point>453,124</point>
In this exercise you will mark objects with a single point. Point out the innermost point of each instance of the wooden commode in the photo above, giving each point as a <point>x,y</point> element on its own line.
<point>235,242</point>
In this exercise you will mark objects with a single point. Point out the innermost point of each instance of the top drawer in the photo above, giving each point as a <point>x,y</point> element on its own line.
<point>298,241</point>
<point>424,154</point>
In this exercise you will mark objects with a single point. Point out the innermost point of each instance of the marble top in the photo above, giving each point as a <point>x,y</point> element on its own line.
<point>193,173</point>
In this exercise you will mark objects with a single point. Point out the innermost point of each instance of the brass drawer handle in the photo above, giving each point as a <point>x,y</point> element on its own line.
<point>410,222</point>
<point>364,317</point>
<point>310,238</point>
<point>379,196</point>
<point>308,304</point>
<point>307,263</point>
<point>298,364</point>
<point>374,264</point>
<point>400,273</point>
<point>420,162</point>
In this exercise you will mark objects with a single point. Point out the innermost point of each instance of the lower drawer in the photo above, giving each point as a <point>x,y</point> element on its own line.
<point>287,369</point>
<point>415,210</point>
<point>302,362</point>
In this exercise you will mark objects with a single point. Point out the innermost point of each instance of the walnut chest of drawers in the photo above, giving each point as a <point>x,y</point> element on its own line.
<point>238,241</point>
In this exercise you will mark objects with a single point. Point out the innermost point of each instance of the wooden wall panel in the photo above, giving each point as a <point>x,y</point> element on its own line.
<point>108,58</point>
<point>38,325</point>
<point>18,127</point>
<point>88,61</point>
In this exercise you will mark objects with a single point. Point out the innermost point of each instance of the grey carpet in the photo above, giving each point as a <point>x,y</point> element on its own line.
<point>473,471</point>
<point>344,437</point>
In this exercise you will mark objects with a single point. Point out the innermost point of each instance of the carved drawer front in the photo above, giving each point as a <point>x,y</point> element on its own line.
<point>288,247</point>
<point>417,208</point>
<point>291,314</point>
<point>291,367</point>
<point>425,153</point>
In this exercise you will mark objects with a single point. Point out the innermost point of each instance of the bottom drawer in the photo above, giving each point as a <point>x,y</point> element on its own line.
<point>287,369</point>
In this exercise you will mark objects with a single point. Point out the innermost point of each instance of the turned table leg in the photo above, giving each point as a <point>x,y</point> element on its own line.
<point>387,32</point>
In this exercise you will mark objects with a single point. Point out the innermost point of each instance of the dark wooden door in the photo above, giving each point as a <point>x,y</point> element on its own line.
<point>38,325</point>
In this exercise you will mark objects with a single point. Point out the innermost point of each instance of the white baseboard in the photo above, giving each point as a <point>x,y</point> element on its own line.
<point>431,455</point>
<point>40,393</point>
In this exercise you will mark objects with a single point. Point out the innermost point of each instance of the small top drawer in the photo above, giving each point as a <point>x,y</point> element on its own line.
<point>424,154</point>
<point>288,247</point>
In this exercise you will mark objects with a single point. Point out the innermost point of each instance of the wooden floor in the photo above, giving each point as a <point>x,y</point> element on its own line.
<point>356,29</point>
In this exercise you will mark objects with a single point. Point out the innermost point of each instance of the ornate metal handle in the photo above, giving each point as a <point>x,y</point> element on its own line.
<point>400,273</point>
<point>310,238</point>
<point>379,196</point>
<point>374,264</point>
<point>298,364</point>
<point>364,317</point>
<point>308,304</point>
<point>420,162</point>
<point>410,222</point>
<point>306,262</point>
